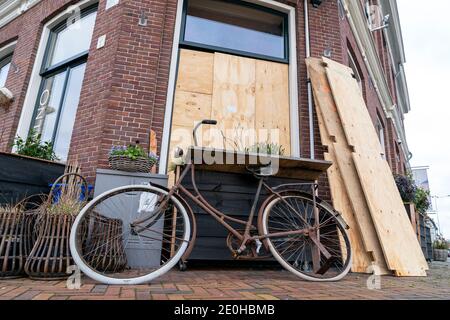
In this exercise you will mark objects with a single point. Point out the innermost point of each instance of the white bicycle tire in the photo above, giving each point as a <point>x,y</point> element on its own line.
<point>128,281</point>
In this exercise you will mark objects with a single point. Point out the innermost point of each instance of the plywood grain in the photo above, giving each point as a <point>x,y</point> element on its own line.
<point>399,243</point>
<point>234,101</point>
<point>195,71</point>
<point>190,108</point>
<point>272,103</point>
<point>346,194</point>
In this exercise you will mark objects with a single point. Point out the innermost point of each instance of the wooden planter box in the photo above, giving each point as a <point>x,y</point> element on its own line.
<point>22,176</point>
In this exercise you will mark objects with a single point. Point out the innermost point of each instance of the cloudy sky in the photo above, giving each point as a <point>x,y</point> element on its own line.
<point>426,35</point>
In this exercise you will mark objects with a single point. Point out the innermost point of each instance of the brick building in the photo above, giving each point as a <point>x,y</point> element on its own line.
<point>93,73</point>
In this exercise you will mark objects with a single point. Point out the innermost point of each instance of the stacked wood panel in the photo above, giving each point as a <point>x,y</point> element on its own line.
<point>362,185</point>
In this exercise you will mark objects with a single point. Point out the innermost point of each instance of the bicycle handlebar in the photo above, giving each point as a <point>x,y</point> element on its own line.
<point>194,132</point>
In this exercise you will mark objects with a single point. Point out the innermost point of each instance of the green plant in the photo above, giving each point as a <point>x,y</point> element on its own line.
<point>133,152</point>
<point>34,147</point>
<point>406,187</point>
<point>422,200</point>
<point>266,148</point>
<point>68,201</point>
<point>440,245</point>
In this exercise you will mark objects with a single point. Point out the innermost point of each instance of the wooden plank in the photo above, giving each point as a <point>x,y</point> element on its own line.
<point>190,108</point>
<point>234,100</point>
<point>272,103</point>
<point>195,71</point>
<point>346,196</point>
<point>400,246</point>
<point>209,159</point>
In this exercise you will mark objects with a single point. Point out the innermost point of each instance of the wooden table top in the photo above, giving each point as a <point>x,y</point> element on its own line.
<point>208,159</point>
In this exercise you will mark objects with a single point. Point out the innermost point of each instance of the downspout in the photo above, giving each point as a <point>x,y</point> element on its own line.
<point>310,98</point>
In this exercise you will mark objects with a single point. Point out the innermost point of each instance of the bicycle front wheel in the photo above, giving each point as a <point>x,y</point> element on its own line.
<point>307,238</point>
<point>130,235</point>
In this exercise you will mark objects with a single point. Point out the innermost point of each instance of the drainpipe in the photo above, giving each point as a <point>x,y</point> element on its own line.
<point>310,98</point>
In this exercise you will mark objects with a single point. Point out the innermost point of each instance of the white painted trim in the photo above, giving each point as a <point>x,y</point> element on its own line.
<point>11,9</point>
<point>7,49</point>
<point>293,80</point>
<point>364,38</point>
<point>35,79</point>
<point>165,144</point>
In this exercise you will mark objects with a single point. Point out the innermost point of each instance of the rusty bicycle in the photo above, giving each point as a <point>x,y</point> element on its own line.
<point>134,234</point>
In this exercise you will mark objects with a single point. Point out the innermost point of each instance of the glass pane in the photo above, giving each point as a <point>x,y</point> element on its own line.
<point>4,74</point>
<point>68,112</point>
<point>73,40</point>
<point>49,102</point>
<point>237,27</point>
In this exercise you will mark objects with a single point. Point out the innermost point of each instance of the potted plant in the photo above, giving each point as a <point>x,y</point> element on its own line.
<point>31,169</point>
<point>406,187</point>
<point>131,158</point>
<point>422,200</point>
<point>440,250</point>
<point>266,148</point>
<point>50,255</point>
<point>33,147</point>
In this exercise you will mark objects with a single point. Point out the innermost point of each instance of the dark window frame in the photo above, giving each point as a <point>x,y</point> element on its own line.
<point>209,48</point>
<point>63,67</point>
<point>5,60</point>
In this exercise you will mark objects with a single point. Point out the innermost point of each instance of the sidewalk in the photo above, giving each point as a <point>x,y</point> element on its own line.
<point>232,284</point>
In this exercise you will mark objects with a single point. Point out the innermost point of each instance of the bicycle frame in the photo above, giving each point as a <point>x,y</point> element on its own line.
<point>223,218</point>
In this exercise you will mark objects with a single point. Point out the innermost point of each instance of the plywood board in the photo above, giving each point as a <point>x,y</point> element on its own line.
<point>400,246</point>
<point>190,108</point>
<point>234,100</point>
<point>346,193</point>
<point>195,71</point>
<point>272,103</point>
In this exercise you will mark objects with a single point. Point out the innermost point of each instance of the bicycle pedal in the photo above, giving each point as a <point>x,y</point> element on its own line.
<point>258,245</point>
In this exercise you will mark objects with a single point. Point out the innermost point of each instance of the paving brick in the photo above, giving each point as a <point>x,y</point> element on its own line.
<point>220,284</point>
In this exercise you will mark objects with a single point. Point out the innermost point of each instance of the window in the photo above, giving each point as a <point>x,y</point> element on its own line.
<point>5,64</point>
<point>380,131</point>
<point>62,77</point>
<point>356,72</point>
<point>236,27</point>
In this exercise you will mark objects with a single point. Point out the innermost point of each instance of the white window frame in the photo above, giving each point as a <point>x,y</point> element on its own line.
<point>354,67</point>
<point>35,79</point>
<point>381,136</point>
<point>293,79</point>
<point>8,50</point>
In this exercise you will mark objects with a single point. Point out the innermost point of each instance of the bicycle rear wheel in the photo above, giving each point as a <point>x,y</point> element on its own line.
<point>130,235</point>
<point>309,241</point>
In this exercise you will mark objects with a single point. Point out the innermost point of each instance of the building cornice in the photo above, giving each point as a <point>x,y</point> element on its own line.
<point>366,43</point>
<point>11,9</point>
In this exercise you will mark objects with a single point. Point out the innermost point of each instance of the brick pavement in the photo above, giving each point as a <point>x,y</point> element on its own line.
<point>237,284</point>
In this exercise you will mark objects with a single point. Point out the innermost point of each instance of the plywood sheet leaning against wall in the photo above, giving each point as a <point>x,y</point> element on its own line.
<point>400,246</point>
<point>346,192</point>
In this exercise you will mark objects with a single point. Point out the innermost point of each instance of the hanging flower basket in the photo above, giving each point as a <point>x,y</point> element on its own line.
<point>124,163</point>
<point>132,158</point>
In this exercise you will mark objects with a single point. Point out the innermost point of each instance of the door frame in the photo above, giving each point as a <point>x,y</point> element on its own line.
<point>293,79</point>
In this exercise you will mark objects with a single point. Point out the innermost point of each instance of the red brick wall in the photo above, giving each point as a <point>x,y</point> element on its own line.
<point>125,85</point>
<point>134,71</point>
<point>26,29</point>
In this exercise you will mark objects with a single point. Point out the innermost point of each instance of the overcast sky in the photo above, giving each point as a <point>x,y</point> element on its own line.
<point>426,35</point>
